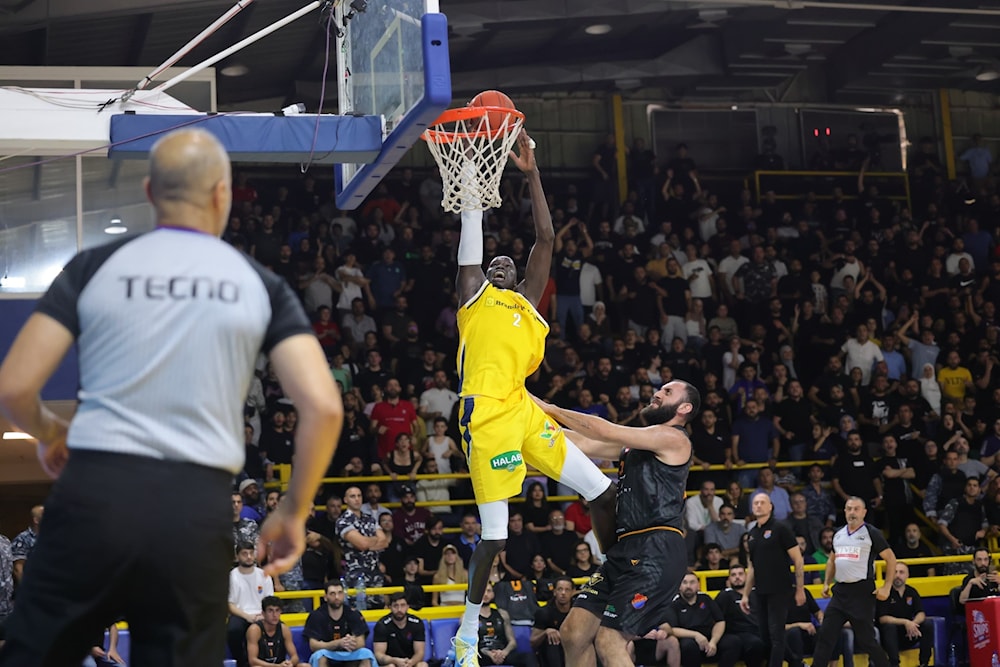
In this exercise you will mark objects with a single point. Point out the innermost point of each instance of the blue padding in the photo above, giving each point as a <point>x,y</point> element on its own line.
<point>253,138</point>
<point>301,644</point>
<point>437,97</point>
<point>228,662</point>
<point>522,635</point>
<point>442,632</point>
<point>124,644</point>
<point>370,639</point>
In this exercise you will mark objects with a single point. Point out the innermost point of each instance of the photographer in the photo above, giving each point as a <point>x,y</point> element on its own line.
<point>984,582</point>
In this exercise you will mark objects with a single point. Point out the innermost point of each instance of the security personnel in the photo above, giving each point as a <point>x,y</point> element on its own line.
<point>856,547</point>
<point>772,547</point>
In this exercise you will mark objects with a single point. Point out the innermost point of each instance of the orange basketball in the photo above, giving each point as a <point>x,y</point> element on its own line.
<point>497,119</point>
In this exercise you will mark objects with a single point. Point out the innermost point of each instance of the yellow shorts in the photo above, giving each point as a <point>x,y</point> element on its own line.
<point>500,436</point>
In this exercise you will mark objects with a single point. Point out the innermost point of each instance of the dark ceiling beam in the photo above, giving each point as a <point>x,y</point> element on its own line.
<point>895,33</point>
<point>477,47</point>
<point>140,31</point>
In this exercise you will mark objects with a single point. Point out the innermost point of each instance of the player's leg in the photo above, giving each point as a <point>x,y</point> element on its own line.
<point>647,570</point>
<point>547,448</point>
<point>578,632</point>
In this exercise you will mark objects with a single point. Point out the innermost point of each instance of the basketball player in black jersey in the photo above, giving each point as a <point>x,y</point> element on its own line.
<point>629,595</point>
<point>269,641</point>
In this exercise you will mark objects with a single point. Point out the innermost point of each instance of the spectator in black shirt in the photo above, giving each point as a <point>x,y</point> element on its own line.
<point>902,621</point>
<point>711,443</point>
<point>326,524</point>
<point>911,547</point>
<point>699,625</point>
<point>558,543</point>
<point>855,474</point>
<point>742,628</point>
<point>335,627</point>
<point>399,636</point>
<point>984,582</point>
<point>897,473</point>
<point>521,546</point>
<point>545,638</point>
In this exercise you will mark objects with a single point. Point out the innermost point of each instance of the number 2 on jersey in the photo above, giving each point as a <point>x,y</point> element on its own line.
<point>517,319</point>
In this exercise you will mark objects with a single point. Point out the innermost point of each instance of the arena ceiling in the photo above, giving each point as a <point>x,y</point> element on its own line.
<point>824,50</point>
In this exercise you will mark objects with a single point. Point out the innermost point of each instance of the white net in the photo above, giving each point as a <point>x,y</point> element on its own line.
<point>471,155</point>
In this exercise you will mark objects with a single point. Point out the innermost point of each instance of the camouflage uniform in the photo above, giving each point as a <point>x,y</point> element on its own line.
<point>360,563</point>
<point>292,581</point>
<point>23,544</point>
<point>6,578</point>
<point>245,531</point>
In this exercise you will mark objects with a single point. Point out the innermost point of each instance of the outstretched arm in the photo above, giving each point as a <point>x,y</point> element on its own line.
<point>601,438</point>
<point>470,256</point>
<point>536,275</point>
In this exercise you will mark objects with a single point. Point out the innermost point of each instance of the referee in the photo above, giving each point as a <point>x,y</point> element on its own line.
<point>168,327</point>
<point>772,547</point>
<point>855,547</point>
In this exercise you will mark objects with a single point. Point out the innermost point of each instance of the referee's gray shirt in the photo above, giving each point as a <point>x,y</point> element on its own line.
<point>857,552</point>
<point>168,326</point>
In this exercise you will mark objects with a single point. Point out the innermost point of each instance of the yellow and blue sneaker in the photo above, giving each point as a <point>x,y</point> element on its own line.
<point>466,653</point>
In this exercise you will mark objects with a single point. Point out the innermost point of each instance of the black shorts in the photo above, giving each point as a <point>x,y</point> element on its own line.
<point>633,588</point>
<point>133,537</point>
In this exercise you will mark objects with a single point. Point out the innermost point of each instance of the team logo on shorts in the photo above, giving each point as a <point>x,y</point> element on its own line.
<point>549,432</point>
<point>639,601</point>
<point>634,561</point>
<point>508,461</point>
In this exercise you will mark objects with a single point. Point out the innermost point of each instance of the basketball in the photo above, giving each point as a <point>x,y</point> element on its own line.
<point>497,119</point>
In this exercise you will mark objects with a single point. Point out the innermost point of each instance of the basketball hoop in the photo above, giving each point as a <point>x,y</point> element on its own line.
<point>470,146</point>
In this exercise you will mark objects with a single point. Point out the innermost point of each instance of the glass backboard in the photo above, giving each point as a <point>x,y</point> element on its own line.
<point>393,59</point>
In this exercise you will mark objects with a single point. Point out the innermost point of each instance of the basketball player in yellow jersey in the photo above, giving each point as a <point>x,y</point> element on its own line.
<point>501,342</point>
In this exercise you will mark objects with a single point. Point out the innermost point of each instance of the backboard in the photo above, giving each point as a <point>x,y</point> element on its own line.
<point>393,64</point>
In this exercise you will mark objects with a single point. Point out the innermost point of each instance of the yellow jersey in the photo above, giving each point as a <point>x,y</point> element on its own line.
<point>501,341</point>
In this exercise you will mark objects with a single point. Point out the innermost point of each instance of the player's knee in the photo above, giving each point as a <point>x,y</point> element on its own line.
<point>491,548</point>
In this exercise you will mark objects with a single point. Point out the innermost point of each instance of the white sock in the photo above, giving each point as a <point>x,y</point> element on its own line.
<point>469,629</point>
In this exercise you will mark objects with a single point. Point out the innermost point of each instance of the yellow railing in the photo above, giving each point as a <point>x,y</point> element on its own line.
<point>845,179</point>
<point>283,473</point>
<point>937,586</point>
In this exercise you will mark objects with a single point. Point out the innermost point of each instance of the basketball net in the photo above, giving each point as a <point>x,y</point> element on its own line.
<point>471,155</point>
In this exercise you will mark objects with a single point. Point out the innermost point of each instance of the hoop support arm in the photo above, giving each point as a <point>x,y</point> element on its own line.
<point>239,46</point>
<point>187,48</point>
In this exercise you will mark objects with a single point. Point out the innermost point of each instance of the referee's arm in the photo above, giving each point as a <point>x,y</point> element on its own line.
<point>32,359</point>
<point>301,367</point>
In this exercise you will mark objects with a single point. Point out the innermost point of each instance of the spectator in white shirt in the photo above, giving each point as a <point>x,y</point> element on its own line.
<point>861,353</point>
<point>590,287</point>
<point>699,512</point>
<point>699,275</point>
<point>248,586</point>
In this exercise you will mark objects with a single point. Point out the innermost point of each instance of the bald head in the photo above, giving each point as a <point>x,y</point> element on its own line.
<point>190,181</point>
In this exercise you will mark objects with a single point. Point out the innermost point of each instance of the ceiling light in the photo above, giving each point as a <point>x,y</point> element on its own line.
<point>987,73</point>
<point>234,70</point>
<point>16,435</point>
<point>13,282</point>
<point>115,226</point>
<point>598,29</point>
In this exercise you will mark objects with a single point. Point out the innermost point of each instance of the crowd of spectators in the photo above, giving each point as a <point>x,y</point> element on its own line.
<point>844,327</point>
